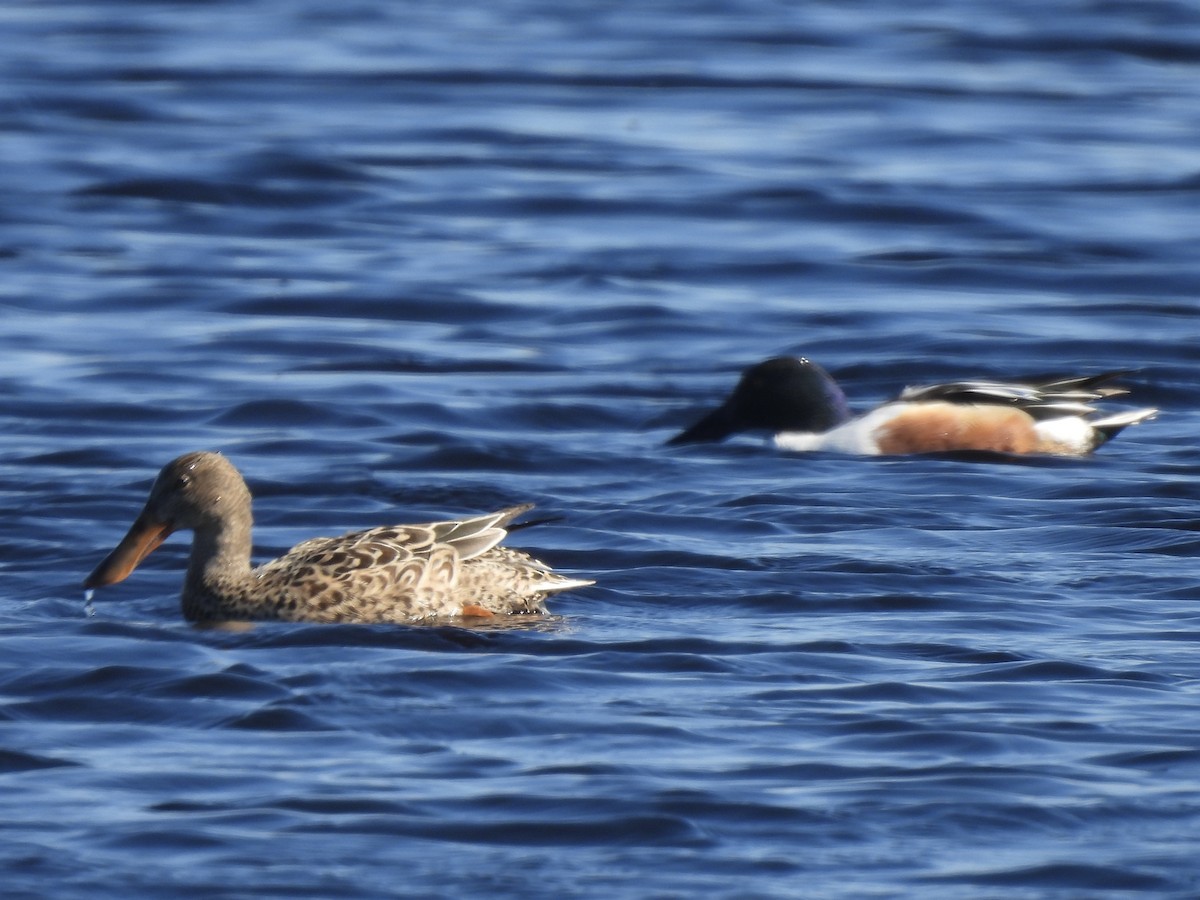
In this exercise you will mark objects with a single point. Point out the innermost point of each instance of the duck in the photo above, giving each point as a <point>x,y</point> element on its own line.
<point>805,410</point>
<point>396,574</point>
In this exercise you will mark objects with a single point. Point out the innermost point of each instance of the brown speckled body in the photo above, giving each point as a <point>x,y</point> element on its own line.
<point>401,573</point>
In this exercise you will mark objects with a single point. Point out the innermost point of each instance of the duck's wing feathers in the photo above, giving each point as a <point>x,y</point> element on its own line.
<point>423,551</point>
<point>474,537</point>
<point>1042,397</point>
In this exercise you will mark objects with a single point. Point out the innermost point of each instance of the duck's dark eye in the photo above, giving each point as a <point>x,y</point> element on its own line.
<point>183,481</point>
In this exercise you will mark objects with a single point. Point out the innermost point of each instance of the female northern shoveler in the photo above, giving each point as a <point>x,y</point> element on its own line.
<point>801,404</point>
<point>401,573</point>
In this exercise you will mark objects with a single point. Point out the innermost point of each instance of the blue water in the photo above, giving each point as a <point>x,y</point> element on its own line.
<point>413,260</point>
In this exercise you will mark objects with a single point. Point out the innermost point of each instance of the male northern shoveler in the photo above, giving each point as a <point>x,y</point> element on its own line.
<point>801,404</point>
<point>401,573</point>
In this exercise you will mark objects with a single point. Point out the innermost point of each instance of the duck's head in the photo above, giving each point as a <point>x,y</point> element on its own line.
<point>785,393</point>
<point>196,491</point>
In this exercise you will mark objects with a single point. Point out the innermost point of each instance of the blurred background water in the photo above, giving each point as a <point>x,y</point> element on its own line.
<point>417,259</point>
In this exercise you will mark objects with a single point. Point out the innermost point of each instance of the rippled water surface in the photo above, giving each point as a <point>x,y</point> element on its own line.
<point>413,260</point>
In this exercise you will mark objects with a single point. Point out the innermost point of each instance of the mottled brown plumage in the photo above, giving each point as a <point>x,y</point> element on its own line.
<point>398,573</point>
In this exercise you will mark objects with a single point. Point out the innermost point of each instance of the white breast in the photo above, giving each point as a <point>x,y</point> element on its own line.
<point>855,436</point>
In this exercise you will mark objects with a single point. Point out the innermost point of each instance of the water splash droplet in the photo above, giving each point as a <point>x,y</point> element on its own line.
<point>88,609</point>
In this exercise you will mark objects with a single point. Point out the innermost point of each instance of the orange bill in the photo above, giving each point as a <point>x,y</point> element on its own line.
<point>142,539</point>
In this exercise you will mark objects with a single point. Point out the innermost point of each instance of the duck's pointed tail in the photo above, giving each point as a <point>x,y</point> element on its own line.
<point>1110,426</point>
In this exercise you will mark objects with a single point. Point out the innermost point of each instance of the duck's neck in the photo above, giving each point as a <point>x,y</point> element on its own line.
<point>219,567</point>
